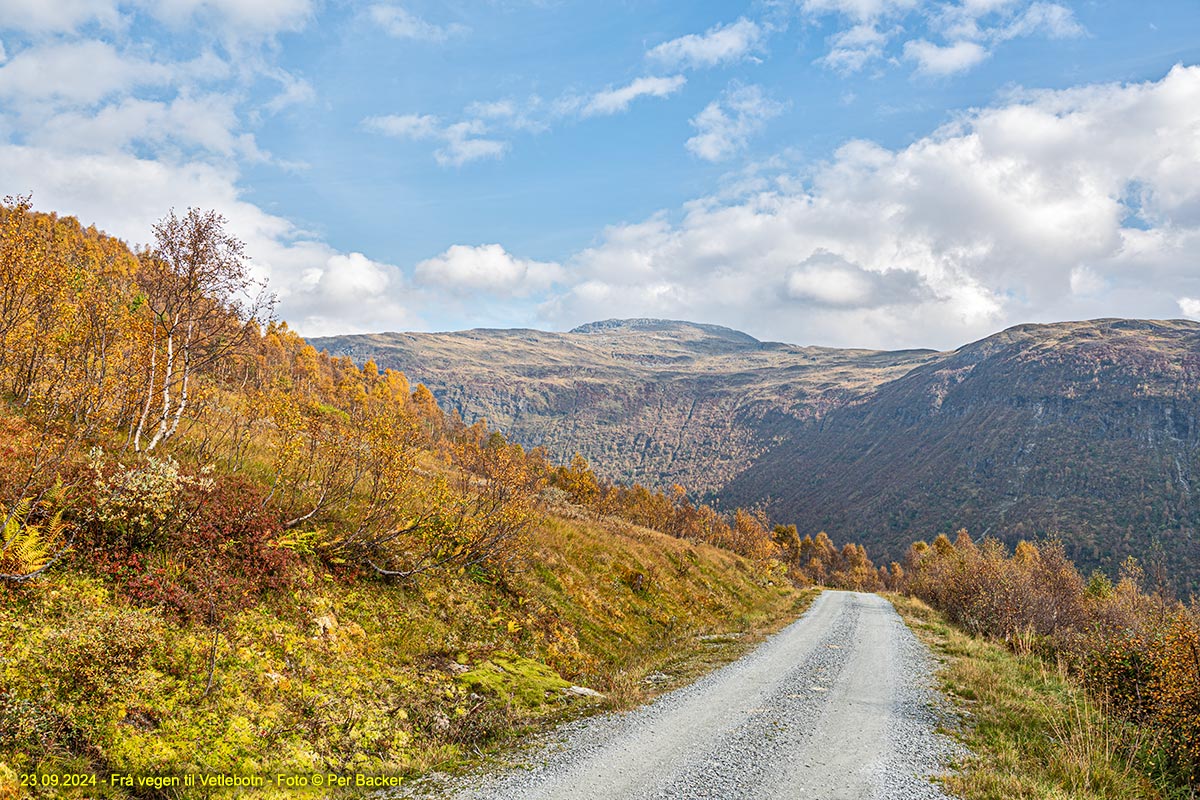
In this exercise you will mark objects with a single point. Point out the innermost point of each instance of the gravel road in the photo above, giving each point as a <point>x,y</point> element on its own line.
<point>837,705</point>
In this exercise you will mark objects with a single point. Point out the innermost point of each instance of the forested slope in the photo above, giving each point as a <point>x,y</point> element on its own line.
<point>1088,431</point>
<point>223,553</point>
<point>1083,430</point>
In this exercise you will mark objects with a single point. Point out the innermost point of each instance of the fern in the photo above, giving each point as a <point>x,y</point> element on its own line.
<point>27,548</point>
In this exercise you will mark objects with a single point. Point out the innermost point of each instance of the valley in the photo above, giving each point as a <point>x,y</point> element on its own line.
<point>227,554</point>
<point>654,401</point>
<point>1087,431</point>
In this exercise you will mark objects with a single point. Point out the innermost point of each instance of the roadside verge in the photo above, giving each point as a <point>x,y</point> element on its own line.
<point>1032,731</point>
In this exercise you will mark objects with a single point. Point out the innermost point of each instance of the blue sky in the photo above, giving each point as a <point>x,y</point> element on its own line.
<point>881,173</point>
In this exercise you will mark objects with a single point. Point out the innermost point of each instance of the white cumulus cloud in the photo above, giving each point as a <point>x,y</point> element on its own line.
<point>207,122</point>
<point>860,10</point>
<point>968,30</point>
<point>939,60</point>
<point>405,126</point>
<point>826,279</point>
<point>237,18</point>
<point>717,45</point>
<point>465,143</point>
<point>487,268</point>
<point>461,142</point>
<point>483,129</point>
<point>400,23</point>
<point>852,49</point>
<point>44,16</point>
<point>82,72</point>
<point>614,101</point>
<point>1048,19</point>
<point>1190,307</point>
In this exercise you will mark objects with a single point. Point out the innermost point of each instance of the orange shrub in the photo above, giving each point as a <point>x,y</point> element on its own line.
<point>1140,651</point>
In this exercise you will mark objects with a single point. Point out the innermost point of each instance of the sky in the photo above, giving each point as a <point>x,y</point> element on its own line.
<point>867,173</point>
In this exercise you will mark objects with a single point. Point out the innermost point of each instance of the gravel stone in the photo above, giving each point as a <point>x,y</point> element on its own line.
<point>840,704</point>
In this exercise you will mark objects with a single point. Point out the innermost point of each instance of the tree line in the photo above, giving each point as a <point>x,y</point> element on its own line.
<point>147,392</point>
<point>777,549</point>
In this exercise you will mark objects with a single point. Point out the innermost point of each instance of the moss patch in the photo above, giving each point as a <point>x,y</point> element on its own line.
<point>515,679</point>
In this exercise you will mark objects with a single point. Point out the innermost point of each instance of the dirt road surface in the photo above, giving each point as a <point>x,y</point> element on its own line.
<point>837,705</point>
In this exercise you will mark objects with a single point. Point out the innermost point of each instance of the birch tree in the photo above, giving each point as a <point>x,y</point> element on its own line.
<point>205,305</point>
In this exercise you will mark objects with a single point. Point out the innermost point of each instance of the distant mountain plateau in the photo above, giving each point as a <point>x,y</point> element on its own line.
<point>1087,431</point>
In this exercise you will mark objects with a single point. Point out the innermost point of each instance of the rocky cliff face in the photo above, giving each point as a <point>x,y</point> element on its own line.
<point>1086,430</point>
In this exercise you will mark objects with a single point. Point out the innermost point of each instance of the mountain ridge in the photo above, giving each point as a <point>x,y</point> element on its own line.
<point>659,402</point>
<point>1088,430</point>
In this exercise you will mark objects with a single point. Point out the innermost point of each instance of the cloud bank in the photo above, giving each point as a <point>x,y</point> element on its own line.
<point>1052,205</point>
<point>1047,205</point>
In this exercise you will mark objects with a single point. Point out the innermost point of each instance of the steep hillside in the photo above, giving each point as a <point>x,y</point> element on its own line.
<point>655,401</point>
<point>363,677</point>
<point>1089,430</point>
<point>230,559</point>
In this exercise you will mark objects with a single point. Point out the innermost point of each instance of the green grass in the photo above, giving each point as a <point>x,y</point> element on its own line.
<point>1033,732</point>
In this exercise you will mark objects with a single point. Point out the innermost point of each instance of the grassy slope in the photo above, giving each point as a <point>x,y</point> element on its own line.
<point>362,677</point>
<point>1033,731</point>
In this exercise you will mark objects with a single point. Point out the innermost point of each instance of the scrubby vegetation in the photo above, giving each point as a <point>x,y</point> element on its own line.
<point>1033,731</point>
<point>1134,648</point>
<point>806,562</point>
<point>226,552</point>
<point>360,675</point>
